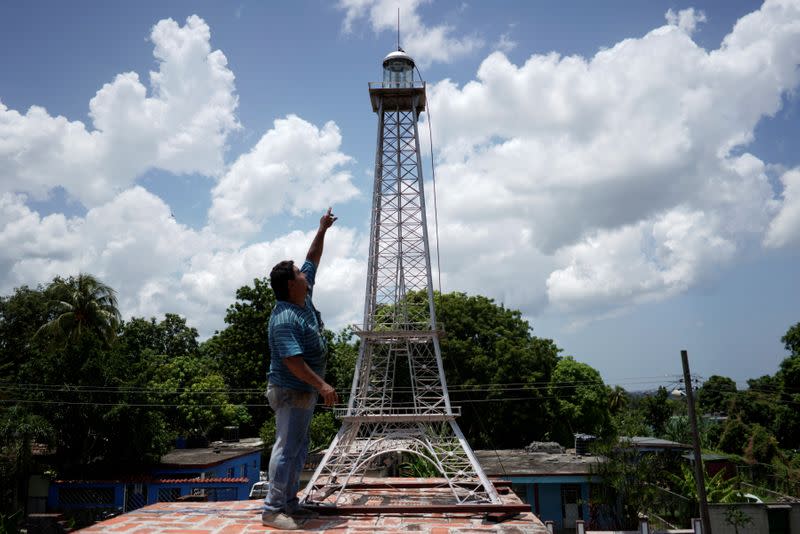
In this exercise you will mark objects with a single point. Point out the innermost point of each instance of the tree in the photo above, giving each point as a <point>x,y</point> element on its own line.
<point>81,304</point>
<point>582,400</point>
<point>87,391</point>
<point>19,429</point>
<point>678,429</point>
<point>627,490</point>
<point>489,356</point>
<point>342,356</point>
<point>241,350</point>
<point>657,409</point>
<point>195,397</point>
<point>721,488</point>
<point>171,336</point>
<point>761,446</point>
<point>791,340</point>
<point>734,437</point>
<point>715,394</point>
<point>630,423</point>
<point>617,400</point>
<point>21,314</point>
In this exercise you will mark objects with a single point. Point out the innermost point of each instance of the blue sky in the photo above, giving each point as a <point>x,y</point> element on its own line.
<point>625,173</point>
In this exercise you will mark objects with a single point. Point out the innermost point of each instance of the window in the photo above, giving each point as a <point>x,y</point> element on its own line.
<point>231,472</point>
<point>244,470</point>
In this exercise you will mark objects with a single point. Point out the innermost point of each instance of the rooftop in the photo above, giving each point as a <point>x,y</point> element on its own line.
<point>519,462</point>
<point>217,452</point>
<point>650,442</point>
<point>245,516</point>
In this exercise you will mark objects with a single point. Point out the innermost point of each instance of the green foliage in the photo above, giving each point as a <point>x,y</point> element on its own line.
<point>678,428</point>
<point>171,336</point>
<point>19,429</point>
<point>762,447</point>
<point>267,435</point>
<point>342,355</point>
<point>734,436</point>
<point>9,523</point>
<point>617,400</point>
<point>322,430</point>
<point>21,314</point>
<point>581,399</point>
<point>736,518</point>
<point>657,409</point>
<point>791,340</point>
<point>627,488</point>
<point>416,466</point>
<point>81,304</point>
<point>241,350</point>
<point>789,373</point>
<point>630,423</point>
<point>715,394</point>
<point>719,489</point>
<point>203,404</point>
<point>486,347</point>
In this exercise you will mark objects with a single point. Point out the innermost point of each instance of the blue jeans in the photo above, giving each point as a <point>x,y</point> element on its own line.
<point>293,412</point>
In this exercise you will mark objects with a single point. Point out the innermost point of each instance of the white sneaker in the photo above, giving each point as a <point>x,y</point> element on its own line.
<point>279,520</point>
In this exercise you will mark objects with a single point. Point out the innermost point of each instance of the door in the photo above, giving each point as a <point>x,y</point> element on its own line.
<point>570,505</point>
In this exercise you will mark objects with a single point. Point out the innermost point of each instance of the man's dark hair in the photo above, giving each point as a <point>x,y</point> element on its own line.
<point>279,279</point>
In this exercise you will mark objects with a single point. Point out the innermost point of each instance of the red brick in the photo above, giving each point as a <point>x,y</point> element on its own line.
<point>123,527</point>
<point>114,520</point>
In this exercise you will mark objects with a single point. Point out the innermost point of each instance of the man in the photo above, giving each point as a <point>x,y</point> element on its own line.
<point>296,372</point>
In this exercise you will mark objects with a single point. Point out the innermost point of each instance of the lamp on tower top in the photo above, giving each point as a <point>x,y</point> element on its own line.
<point>398,69</point>
<point>398,91</point>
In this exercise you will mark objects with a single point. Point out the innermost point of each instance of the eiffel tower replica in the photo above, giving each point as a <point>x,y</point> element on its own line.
<point>399,400</point>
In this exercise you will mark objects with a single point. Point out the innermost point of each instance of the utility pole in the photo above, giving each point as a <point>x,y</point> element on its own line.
<point>699,472</point>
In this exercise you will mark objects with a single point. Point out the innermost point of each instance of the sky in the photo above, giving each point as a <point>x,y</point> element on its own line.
<point>624,173</point>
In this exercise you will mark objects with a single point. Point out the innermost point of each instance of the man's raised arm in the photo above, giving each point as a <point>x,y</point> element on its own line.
<point>315,250</point>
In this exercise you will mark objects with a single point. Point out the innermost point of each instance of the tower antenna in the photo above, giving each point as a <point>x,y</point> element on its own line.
<point>398,29</point>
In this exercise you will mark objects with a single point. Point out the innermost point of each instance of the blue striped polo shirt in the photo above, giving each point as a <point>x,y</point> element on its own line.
<point>294,331</point>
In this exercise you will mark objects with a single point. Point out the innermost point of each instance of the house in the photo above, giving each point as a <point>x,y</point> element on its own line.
<point>714,463</point>
<point>223,471</point>
<point>558,485</point>
<point>650,444</point>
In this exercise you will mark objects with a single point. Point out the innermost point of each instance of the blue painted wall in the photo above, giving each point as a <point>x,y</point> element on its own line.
<point>247,466</point>
<point>549,489</point>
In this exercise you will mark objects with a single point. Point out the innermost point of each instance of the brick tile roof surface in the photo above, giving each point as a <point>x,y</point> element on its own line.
<point>235,517</point>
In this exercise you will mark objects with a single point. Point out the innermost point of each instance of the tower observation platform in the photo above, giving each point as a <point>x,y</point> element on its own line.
<point>397,86</point>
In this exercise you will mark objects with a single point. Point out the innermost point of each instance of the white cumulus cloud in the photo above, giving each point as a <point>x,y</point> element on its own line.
<point>180,127</point>
<point>785,228</point>
<point>426,44</point>
<point>295,167</point>
<point>626,172</point>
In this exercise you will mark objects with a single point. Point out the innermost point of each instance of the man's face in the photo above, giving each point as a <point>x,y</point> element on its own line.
<point>298,288</point>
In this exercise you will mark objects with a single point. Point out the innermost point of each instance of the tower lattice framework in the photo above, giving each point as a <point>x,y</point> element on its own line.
<point>399,400</point>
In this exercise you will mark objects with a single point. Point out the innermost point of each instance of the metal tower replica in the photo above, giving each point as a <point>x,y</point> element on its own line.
<point>399,399</point>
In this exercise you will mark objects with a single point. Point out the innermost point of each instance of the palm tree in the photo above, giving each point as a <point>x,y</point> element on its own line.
<point>82,304</point>
<point>617,399</point>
